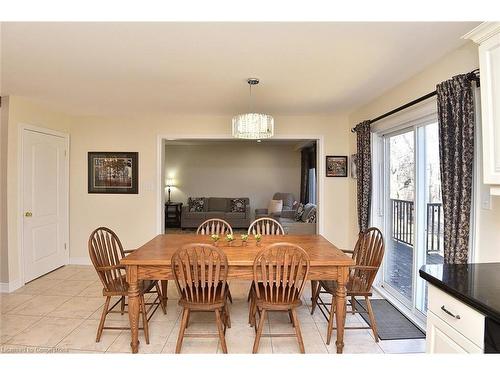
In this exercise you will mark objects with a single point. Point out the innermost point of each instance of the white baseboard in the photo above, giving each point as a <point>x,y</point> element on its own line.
<point>80,261</point>
<point>10,286</point>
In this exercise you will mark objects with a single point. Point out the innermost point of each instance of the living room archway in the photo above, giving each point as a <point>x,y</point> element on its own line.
<point>190,140</point>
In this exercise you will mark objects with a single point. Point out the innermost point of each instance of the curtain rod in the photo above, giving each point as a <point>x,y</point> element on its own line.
<point>472,76</point>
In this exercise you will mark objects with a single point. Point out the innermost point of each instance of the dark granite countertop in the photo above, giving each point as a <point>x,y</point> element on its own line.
<point>475,284</point>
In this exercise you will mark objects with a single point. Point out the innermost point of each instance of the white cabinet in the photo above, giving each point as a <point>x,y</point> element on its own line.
<point>452,326</point>
<point>487,36</point>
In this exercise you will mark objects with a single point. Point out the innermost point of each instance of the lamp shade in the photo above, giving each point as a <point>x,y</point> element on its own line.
<point>170,182</point>
<point>253,126</point>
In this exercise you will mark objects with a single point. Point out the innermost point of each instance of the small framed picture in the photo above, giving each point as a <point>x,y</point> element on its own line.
<point>336,166</point>
<point>113,172</point>
<point>354,166</point>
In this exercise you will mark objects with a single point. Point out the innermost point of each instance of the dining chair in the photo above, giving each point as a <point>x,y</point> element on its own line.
<point>215,226</point>
<point>367,254</point>
<point>279,274</point>
<point>221,228</point>
<point>200,273</point>
<point>106,250</point>
<point>266,226</point>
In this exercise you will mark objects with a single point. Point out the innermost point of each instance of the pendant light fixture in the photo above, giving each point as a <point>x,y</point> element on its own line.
<point>253,125</point>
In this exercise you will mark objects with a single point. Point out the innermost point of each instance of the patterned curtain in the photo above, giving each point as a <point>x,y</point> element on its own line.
<point>456,154</point>
<point>364,171</point>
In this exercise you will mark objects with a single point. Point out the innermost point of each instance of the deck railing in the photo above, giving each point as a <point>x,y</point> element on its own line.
<point>403,224</point>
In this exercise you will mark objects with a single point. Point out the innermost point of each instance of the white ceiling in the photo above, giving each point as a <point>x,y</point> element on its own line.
<point>201,68</point>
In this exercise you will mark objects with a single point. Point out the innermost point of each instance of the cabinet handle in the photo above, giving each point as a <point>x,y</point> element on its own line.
<point>449,312</point>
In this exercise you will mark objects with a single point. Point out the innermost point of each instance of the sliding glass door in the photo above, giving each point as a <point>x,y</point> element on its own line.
<point>412,217</point>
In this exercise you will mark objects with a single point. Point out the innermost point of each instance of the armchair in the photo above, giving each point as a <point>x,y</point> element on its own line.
<point>287,211</point>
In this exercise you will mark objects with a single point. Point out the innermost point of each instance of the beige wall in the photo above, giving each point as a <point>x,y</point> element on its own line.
<point>4,263</point>
<point>134,216</point>
<point>233,169</point>
<point>23,111</point>
<point>462,60</point>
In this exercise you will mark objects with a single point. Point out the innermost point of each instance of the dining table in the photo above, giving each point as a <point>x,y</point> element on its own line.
<point>152,261</point>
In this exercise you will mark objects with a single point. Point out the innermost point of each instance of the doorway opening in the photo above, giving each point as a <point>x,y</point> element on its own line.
<point>217,171</point>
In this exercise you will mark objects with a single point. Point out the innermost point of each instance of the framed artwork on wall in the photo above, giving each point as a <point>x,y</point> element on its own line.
<point>113,173</point>
<point>336,166</point>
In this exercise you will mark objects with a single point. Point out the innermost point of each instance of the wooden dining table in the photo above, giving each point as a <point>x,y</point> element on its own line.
<point>152,262</point>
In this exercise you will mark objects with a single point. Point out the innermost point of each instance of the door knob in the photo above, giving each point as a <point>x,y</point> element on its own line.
<point>28,214</point>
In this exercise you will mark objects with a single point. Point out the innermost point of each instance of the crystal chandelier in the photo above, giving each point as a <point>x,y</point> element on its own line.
<point>253,125</point>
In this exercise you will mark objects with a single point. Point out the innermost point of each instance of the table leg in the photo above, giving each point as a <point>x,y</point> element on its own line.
<point>133,307</point>
<point>340,307</point>
<point>164,289</point>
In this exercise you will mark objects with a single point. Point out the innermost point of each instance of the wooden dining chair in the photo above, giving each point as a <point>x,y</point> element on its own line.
<point>214,226</point>
<point>266,226</point>
<point>200,273</point>
<point>106,250</point>
<point>279,275</point>
<point>219,227</point>
<point>367,254</point>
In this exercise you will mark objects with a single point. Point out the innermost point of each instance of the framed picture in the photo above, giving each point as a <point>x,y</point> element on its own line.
<point>113,172</point>
<point>336,166</point>
<point>354,166</point>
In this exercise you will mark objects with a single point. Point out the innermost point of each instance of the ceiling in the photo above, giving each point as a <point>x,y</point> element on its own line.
<point>291,143</point>
<point>201,68</point>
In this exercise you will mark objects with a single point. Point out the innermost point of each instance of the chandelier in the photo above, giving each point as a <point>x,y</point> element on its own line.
<point>253,125</point>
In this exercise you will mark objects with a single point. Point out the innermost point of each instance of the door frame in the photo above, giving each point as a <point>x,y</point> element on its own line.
<point>160,172</point>
<point>412,118</point>
<point>22,127</point>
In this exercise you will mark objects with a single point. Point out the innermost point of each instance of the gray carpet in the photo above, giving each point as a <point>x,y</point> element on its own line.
<point>391,323</point>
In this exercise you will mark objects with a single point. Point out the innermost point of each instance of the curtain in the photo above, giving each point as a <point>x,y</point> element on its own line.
<point>456,155</point>
<point>308,162</point>
<point>364,170</point>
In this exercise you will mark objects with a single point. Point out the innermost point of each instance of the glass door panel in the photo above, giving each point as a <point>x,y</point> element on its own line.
<point>431,247</point>
<point>400,200</point>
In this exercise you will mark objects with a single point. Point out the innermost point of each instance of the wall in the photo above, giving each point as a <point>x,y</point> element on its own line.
<point>233,169</point>
<point>134,216</point>
<point>23,111</point>
<point>4,264</point>
<point>461,60</point>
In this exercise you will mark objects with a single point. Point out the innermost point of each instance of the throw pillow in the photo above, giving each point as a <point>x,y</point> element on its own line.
<point>196,204</point>
<point>311,217</point>
<point>238,205</point>
<point>275,206</point>
<point>299,212</point>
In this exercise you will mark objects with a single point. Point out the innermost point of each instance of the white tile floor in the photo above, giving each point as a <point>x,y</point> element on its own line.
<point>59,313</point>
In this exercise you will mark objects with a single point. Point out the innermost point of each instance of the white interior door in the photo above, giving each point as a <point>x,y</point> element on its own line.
<point>45,210</point>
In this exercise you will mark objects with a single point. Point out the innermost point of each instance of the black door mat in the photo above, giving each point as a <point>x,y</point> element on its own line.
<point>391,323</point>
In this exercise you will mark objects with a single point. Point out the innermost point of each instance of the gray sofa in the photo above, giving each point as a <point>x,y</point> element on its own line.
<point>216,208</point>
<point>291,226</point>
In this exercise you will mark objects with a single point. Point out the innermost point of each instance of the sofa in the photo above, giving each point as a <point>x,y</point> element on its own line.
<point>215,208</point>
<point>292,226</point>
<point>288,206</point>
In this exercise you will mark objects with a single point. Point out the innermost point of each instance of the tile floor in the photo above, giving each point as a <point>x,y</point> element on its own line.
<point>59,313</point>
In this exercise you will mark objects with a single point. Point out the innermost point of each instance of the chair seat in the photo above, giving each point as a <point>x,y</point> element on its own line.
<point>277,292</point>
<point>201,300</point>
<point>122,287</point>
<point>331,286</point>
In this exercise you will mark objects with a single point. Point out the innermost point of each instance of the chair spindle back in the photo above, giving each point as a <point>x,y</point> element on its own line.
<point>266,226</point>
<point>282,268</point>
<point>368,256</point>
<point>214,226</point>
<point>106,250</point>
<point>200,272</point>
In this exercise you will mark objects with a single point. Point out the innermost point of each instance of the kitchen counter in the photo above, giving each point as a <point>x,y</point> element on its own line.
<point>475,284</point>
